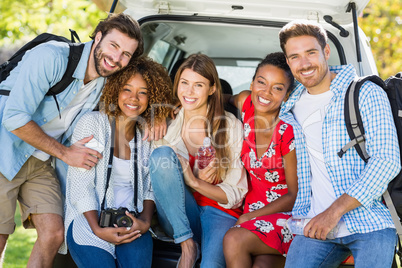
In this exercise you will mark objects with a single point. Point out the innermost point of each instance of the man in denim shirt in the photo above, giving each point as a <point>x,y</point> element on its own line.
<point>33,129</point>
<point>342,193</point>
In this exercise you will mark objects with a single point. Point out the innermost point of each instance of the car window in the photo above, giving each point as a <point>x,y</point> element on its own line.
<point>236,48</point>
<point>164,53</point>
<point>239,77</point>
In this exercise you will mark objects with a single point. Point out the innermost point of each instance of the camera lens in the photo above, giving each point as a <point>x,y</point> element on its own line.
<point>124,221</point>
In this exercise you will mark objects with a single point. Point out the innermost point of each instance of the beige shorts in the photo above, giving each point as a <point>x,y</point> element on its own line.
<point>37,189</point>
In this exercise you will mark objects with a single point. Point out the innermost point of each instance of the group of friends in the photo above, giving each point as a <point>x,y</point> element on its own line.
<point>279,161</point>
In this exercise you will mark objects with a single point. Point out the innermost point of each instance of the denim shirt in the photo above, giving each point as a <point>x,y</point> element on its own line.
<point>350,174</point>
<point>40,68</point>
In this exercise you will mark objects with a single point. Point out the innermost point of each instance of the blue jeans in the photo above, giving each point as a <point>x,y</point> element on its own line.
<point>375,249</point>
<point>135,254</point>
<point>178,212</point>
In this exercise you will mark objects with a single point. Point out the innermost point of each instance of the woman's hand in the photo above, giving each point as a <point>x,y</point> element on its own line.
<point>208,174</point>
<point>157,132</point>
<point>245,217</point>
<point>117,235</point>
<point>188,175</point>
<point>121,235</point>
<point>139,224</point>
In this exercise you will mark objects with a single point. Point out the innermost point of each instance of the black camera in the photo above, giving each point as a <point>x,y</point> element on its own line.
<point>111,216</point>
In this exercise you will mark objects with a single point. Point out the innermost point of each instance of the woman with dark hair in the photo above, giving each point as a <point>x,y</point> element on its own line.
<point>269,157</point>
<point>199,205</point>
<point>130,102</point>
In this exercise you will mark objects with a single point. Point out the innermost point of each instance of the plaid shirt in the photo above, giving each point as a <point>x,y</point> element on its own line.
<point>350,174</point>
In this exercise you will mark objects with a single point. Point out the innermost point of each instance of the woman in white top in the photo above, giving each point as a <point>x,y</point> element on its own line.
<point>127,106</point>
<point>199,205</point>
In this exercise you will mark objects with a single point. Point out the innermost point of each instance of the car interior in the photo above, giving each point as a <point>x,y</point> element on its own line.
<point>236,48</point>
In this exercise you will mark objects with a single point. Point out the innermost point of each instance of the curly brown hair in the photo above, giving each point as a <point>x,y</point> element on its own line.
<point>159,90</point>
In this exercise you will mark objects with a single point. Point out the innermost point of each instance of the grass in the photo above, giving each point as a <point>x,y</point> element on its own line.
<point>19,245</point>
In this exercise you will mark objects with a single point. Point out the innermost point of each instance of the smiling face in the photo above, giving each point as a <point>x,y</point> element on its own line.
<point>268,89</point>
<point>113,52</point>
<point>193,91</point>
<point>308,62</point>
<point>133,98</point>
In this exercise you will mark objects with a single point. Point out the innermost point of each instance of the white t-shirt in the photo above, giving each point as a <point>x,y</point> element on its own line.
<point>59,125</point>
<point>310,111</point>
<point>123,188</point>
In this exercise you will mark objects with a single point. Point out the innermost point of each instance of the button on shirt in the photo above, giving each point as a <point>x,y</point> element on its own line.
<point>350,174</point>
<point>41,68</point>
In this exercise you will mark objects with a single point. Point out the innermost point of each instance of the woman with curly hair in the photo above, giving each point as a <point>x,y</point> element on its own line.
<point>96,234</point>
<point>269,157</point>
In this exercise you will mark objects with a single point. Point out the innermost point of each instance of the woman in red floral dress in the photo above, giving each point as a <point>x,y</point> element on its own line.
<point>268,155</point>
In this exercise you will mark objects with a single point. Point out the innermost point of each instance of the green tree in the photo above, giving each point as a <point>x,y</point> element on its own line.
<point>22,20</point>
<point>382,23</point>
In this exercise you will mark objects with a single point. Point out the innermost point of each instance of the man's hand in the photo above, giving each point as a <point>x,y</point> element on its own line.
<point>323,223</point>
<point>156,132</point>
<point>77,155</point>
<point>319,226</point>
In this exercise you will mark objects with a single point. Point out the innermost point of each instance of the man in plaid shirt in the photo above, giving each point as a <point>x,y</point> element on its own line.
<point>343,194</point>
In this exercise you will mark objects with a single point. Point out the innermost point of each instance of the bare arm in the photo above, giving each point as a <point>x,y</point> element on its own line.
<point>323,223</point>
<point>76,155</point>
<point>284,203</point>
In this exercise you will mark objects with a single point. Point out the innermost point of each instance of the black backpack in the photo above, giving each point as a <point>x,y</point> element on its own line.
<point>354,125</point>
<point>73,59</point>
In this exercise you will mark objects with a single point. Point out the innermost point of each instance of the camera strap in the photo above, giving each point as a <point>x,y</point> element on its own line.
<point>110,165</point>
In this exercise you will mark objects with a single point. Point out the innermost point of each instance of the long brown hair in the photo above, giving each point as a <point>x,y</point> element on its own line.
<point>217,125</point>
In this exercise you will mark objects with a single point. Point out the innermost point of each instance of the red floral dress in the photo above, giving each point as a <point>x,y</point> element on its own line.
<point>266,180</point>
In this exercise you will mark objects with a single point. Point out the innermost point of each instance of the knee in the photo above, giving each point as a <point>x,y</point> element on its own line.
<point>231,241</point>
<point>161,157</point>
<point>162,161</point>
<point>52,236</point>
<point>163,152</point>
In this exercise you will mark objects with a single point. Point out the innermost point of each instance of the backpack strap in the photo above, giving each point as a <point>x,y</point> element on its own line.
<point>73,60</point>
<point>353,120</point>
<point>394,214</point>
<point>4,92</point>
<point>397,222</point>
<point>74,35</point>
